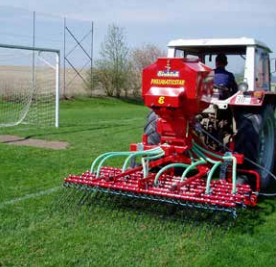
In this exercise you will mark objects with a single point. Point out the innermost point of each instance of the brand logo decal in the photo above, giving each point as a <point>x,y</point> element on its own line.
<point>165,73</point>
<point>168,72</point>
<point>167,82</point>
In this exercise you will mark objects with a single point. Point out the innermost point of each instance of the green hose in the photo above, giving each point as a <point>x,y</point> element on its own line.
<point>234,173</point>
<point>209,177</point>
<point>207,151</point>
<point>151,153</point>
<point>230,157</point>
<point>191,167</point>
<point>115,153</point>
<point>191,156</point>
<point>99,158</point>
<point>140,153</point>
<point>145,162</point>
<point>157,152</point>
<point>210,174</point>
<point>173,165</point>
<point>112,155</point>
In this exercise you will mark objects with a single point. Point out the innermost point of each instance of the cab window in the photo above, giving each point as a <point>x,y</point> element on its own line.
<point>262,81</point>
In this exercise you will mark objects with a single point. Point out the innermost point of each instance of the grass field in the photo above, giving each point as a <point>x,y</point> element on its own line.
<point>47,230</point>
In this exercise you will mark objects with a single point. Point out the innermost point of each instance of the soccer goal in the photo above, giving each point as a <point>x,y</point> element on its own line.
<point>29,86</point>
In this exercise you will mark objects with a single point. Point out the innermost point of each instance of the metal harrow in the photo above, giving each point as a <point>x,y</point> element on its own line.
<point>196,187</point>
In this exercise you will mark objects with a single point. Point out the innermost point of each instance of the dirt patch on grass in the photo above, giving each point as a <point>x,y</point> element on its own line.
<point>21,141</point>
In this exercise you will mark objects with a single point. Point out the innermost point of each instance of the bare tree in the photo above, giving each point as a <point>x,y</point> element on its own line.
<point>141,57</point>
<point>113,67</point>
<point>146,55</point>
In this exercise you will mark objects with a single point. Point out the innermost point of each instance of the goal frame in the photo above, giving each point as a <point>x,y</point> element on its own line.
<point>57,70</point>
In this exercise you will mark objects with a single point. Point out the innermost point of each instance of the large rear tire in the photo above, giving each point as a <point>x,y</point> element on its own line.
<point>150,129</point>
<point>256,140</point>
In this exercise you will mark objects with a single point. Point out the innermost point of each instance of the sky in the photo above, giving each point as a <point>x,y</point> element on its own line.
<point>155,22</point>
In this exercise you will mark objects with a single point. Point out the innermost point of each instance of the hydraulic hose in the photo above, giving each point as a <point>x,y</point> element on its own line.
<point>145,162</point>
<point>200,129</point>
<point>234,164</point>
<point>191,167</point>
<point>213,169</point>
<point>157,150</point>
<point>172,165</point>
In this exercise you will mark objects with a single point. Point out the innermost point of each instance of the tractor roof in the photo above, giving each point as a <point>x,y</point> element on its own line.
<point>213,45</point>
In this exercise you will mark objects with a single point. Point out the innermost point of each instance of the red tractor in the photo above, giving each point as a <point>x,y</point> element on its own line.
<point>203,146</point>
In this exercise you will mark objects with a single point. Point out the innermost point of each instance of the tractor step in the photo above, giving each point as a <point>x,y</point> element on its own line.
<point>191,192</point>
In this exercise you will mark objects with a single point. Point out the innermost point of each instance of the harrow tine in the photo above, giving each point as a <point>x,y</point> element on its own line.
<point>84,197</point>
<point>67,196</point>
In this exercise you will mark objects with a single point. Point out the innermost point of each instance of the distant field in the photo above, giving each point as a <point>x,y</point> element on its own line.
<point>11,75</point>
<point>38,230</point>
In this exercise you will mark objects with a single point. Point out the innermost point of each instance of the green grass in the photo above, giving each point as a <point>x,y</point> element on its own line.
<point>44,232</point>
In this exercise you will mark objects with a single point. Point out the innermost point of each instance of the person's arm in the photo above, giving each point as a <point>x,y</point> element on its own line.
<point>234,85</point>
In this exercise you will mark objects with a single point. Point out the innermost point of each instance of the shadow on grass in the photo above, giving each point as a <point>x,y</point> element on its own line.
<point>134,101</point>
<point>140,212</point>
<point>156,216</point>
<point>250,218</point>
<point>80,130</point>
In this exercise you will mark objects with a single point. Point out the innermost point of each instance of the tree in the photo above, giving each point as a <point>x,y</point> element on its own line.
<point>146,55</point>
<point>142,57</point>
<point>113,67</point>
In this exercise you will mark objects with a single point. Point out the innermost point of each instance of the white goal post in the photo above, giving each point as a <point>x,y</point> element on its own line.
<point>29,85</point>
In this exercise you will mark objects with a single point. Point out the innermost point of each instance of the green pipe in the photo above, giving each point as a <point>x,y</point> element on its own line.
<point>103,156</point>
<point>109,153</point>
<point>201,155</point>
<point>156,156</point>
<point>234,170</point>
<point>191,156</point>
<point>146,152</point>
<point>145,162</point>
<point>140,153</point>
<point>172,165</point>
<point>118,154</point>
<point>192,166</point>
<point>145,168</point>
<point>97,159</point>
<point>209,177</point>
<point>207,151</point>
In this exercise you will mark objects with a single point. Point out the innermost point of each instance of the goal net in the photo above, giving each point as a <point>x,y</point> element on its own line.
<point>29,86</point>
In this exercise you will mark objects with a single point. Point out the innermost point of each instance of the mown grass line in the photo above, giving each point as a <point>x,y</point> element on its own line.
<point>30,196</point>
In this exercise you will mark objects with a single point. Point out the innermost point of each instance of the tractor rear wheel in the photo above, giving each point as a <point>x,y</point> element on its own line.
<point>256,140</point>
<point>150,129</point>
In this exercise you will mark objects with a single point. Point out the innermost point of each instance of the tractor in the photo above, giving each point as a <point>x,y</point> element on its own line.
<point>203,146</point>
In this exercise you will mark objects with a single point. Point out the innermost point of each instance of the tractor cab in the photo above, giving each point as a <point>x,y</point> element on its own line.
<point>248,61</point>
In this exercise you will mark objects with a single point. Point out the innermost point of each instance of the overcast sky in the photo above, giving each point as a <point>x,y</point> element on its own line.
<point>160,21</point>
